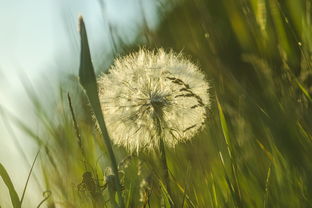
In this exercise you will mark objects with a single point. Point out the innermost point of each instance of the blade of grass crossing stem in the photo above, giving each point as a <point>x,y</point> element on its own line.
<point>183,191</point>
<point>88,81</point>
<point>304,90</point>
<point>225,130</point>
<point>30,171</point>
<point>214,192</point>
<point>169,200</point>
<point>228,181</point>
<point>13,194</point>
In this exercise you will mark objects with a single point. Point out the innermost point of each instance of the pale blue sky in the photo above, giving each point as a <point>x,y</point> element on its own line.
<point>39,39</point>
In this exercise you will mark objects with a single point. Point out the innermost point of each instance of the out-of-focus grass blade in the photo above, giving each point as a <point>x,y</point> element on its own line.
<point>183,191</point>
<point>305,92</point>
<point>214,192</point>
<point>279,26</point>
<point>227,179</point>
<point>88,82</point>
<point>46,196</point>
<point>129,196</point>
<point>225,129</point>
<point>267,181</point>
<point>264,149</point>
<point>13,194</point>
<point>22,125</point>
<point>235,189</point>
<point>30,171</point>
<point>169,200</point>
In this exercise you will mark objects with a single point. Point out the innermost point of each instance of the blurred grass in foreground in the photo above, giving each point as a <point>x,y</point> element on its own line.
<point>257,145</point>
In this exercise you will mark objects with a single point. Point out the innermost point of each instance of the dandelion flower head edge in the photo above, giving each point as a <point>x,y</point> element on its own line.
<point>151,95</point>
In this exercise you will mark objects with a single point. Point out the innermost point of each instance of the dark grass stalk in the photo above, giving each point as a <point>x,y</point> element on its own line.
<point>165,169</point>
<point>88,81</point>
<point>185,185</point>
<point>77,132</point>
<point>163,160</point>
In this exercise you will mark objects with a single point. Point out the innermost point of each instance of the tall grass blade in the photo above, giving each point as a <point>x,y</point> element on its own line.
<point>225,129</point>
<point>88,81</point>
<point>30,171</point>
<point>13,194</point>
<point>169,200</point>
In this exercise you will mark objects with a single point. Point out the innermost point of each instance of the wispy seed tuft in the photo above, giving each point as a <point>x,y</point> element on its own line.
<point>148,92</point>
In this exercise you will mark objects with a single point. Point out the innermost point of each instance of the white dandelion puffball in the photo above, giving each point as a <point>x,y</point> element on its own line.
<point>152,95</point>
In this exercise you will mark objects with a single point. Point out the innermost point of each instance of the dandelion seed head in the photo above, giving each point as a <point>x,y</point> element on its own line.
<point>149,95</point>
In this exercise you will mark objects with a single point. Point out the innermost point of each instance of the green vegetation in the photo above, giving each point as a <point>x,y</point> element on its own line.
<point>256,148</point>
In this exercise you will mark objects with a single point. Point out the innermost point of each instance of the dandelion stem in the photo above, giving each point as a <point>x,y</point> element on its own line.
<point>165,169</point>
<point>163,159</point>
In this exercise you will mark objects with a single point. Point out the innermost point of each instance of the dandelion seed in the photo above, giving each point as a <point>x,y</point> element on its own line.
<point>149,92</point>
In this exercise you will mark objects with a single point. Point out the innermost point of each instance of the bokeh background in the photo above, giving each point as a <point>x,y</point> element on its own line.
<point>256,147</point>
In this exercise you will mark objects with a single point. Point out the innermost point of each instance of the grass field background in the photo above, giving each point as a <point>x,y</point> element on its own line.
<point>255,150</point>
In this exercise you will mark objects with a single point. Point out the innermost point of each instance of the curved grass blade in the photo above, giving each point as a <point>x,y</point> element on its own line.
<point>30,171</point>
<point>88,81</point>
<point>46,196</point>
<point>13,194</point>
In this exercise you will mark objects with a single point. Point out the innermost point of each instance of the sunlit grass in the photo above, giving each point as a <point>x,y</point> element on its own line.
<point>255,150</point>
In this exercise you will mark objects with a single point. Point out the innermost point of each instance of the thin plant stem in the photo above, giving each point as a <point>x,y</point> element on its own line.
<point>164,164</point>
<point>77,131</point>
<point>28,177</point>
<point>46,196</point>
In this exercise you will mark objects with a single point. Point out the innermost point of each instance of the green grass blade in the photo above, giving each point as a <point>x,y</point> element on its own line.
<point>165,192</point>
<point>225,129</point>
<point>88,82</point>
<point>13,194</point>
<point>29,174</point>
<point>304,90</point>
<point>236,187</point>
